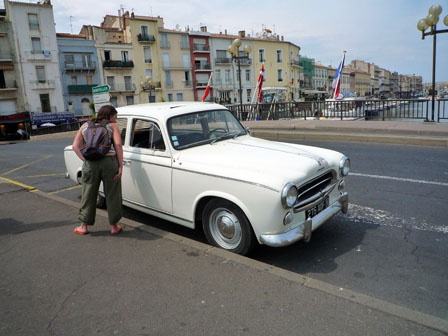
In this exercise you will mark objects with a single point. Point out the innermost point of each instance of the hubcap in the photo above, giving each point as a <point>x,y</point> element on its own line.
<point>225,228</point>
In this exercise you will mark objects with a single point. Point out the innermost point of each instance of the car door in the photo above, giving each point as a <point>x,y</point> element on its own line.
<point>146,179</point>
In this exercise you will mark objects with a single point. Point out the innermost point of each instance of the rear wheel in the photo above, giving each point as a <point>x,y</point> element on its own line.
<point>226,226</point>
<point>100,202</point>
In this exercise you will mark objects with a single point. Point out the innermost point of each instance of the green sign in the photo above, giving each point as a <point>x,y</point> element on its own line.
<point>100,89</point>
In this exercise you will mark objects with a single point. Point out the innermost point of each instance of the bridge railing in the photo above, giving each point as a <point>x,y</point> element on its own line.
<point>386,109</point>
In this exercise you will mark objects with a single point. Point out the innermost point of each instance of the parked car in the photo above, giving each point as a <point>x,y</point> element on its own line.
<point>194,164</point>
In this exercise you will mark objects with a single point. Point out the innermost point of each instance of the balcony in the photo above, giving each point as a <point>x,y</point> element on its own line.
<point>80,89</point>
<point>122,87</point>
<point>223,60</point>
<point>42,84</point>
<point>201,84</point>
<point>203,67</point>
<point>118,64</point>
<point>80,66</point>
<point>184,45</point>
<point>6,56</point>
<point>200,48</point>
<point>245,61</point>
<point>38,55</point>
<point>188,84</point>
<point>169,84</point>
<point>33,25</point>
<point>295,63</point>
<point>165,44</point>
<point>154,85</point>
<point>8,85</point>
<point>144,38</point>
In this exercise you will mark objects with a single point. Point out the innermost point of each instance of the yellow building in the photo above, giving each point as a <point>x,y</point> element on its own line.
<point>281,62</point>
<point>177,81</point>
<point>143,33</point>
<point>360,81</point>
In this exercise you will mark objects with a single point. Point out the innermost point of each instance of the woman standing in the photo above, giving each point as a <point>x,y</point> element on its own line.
<point>107,170</point>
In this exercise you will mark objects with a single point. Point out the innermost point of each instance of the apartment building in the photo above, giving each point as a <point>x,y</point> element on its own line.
<point>201,62</point>
<point>78,61</point>
<point>11,94</point>
<point>37,55</point>
<point>176,65</point>
<point>281,62</point>
<point>115,60</point>
<point>360,82</point>
<point>384,83</point>
<point>374,72</point>
<point>226,74</point>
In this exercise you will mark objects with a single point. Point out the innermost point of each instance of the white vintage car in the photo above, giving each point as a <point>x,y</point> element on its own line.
<point>194,164</point>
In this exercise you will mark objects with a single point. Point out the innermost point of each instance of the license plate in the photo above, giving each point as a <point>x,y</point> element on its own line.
<point>313,211</point>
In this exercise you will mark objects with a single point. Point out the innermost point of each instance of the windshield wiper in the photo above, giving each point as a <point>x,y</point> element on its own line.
<point>228,136</point>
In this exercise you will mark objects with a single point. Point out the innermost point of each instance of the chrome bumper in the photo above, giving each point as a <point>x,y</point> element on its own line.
<point>304,230</point>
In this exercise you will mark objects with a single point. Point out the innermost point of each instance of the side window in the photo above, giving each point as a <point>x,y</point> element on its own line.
<point>147,134</point>
<point>122,123</point>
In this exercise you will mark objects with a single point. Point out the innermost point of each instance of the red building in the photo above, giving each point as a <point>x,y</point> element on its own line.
<point>200,61</point>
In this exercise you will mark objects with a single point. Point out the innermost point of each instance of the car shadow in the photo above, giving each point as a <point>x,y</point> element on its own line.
<point>341,235</point>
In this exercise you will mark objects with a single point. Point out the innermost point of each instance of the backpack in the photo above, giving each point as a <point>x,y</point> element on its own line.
<point>96,140</point>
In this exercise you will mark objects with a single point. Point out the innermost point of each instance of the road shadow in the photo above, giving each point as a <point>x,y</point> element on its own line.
<point>10,226</point>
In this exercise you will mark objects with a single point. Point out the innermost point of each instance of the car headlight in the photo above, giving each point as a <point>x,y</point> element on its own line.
<point>344,166</point>
<point>289,195</point>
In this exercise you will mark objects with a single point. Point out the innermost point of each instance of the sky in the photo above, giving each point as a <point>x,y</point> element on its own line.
<point>383,32</point>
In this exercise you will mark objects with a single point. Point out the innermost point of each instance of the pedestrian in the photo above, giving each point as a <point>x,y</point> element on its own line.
<point>107,169</point>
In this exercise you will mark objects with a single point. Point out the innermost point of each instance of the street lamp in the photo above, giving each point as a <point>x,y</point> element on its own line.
<point>234,51</point>
<point>431,21</point>
<point>148,85</point>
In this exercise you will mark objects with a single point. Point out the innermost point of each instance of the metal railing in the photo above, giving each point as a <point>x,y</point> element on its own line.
<point>9,84</point>
<point>118,64</point>
<point>390,109</point>
<point>74,89</point>
<point>169,84</point>
<point>165,44</point>
<point>203,66</point>
<point>188,83</point>
<point>200,47</point>
<point>122,87</point>
<point>146,38</point>
<point>80,65</point>
<point>4,55</point>
<point>223,60</point>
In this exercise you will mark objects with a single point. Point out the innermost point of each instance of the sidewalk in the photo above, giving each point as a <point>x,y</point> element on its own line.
<point>398,132</point>
<point>395,132</point>
<point>146,281</point>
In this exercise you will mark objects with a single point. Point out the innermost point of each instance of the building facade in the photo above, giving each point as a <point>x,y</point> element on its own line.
<point>37,55</point>
<point>78,61</point>
<point>201,62</point>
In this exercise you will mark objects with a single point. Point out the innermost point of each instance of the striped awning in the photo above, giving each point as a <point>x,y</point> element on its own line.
<point>6,66</point>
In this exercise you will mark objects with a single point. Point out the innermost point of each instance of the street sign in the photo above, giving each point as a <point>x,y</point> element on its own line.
<point>101,96</point>
<point>101,89</point>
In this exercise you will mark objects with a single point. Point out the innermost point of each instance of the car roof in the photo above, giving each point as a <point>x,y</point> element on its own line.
<point>164,111</point>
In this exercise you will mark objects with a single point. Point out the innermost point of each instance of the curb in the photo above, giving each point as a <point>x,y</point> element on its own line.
<point>388,308</point>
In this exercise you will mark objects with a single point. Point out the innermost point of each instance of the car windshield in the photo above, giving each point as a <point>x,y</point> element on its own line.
<point>206,127</point>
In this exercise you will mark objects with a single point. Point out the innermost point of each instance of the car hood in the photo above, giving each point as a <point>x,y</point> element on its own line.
<point>268,163</point>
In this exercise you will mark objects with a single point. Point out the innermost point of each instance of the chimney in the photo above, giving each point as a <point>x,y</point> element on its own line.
<point>204,29</point>
<point>225,31</point>
<point>119,19</point>
<point>283,38</point>
<point>242,33</point>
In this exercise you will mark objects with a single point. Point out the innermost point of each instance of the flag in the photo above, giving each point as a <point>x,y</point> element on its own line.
<point>207,89</point>
<point>260,83</point>
<point>337,79</point>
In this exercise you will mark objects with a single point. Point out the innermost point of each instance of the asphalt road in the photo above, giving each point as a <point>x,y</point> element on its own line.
<point>392,245</point>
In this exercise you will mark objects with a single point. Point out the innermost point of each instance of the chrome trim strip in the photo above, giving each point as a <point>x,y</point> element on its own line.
<point>291,236</point>
<point>314,186</point>
<point>151,163</point>
<point>229,178</point>
<point>314,199</point>
<point>156,210</point>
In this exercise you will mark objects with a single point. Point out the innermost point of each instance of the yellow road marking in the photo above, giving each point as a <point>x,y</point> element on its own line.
<point>65,189</point>
<point>43,175</point>
<point>26,165</point>
<point>26,186</point>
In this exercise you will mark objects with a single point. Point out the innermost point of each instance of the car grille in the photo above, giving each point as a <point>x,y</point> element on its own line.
<point>315,190</point>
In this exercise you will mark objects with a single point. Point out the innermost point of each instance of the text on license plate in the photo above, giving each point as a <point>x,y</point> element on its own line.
<point>313,211</point>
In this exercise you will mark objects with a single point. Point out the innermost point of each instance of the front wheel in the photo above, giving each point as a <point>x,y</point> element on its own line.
<point>226,226</point>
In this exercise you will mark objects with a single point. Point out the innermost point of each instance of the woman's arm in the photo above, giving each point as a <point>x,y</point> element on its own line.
<point>118,149</point>
<point>77,142</point>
